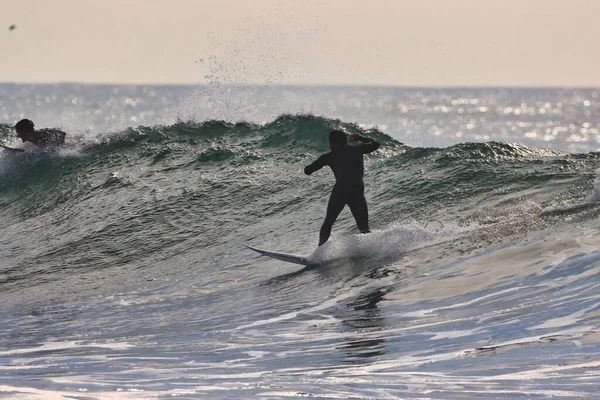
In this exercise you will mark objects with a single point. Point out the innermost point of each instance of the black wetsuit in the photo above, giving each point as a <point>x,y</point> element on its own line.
<point>346,162</point>
<point>47,137</point>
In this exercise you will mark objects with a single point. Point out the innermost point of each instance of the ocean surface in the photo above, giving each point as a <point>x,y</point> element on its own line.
<point>123,271</point>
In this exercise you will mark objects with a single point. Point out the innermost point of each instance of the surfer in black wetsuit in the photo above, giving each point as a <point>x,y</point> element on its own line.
<point>346,162</point>
<point>40,137</point>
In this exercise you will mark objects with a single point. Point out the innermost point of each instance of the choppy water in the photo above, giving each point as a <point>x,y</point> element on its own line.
<point>123,272</point>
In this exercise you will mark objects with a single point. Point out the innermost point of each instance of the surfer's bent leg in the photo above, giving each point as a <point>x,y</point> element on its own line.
<point>334,208</point>
<point>358,206</point>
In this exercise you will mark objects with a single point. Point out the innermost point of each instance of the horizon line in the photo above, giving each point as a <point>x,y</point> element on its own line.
<point>298,85</point>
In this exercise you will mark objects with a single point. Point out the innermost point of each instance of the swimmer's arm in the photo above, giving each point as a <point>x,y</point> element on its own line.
<point>49,136</point>
<point>317,165</point>
<point>60,137</point>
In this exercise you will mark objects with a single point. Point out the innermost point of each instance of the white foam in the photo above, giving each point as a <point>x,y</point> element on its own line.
<point>388,243</point>
<point>28,393</point>
<point>453,334</point>
<point>431,311</point>
<point>567,320</point>
<point>51,346</point>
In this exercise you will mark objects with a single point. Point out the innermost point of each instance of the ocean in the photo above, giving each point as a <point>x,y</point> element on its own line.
<point>123,271</point>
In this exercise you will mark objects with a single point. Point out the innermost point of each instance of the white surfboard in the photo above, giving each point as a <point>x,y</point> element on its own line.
<point>12,150</point>
<point>287,257</point>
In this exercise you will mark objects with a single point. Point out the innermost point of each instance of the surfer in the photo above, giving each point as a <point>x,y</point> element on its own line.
<point>346,162</point>
<point>40,137</point>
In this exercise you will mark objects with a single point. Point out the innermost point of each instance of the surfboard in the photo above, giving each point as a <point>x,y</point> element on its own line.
<point>287,257</point>
<point>12,150</point>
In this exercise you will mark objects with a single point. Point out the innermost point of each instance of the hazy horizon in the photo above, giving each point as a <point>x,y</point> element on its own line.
<point>298,85</point>
<point>395,43</point>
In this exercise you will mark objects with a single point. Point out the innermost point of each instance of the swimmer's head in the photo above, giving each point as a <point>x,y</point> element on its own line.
<point>24,126</point>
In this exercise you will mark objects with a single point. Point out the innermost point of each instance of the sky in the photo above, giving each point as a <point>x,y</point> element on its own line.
<point>434,43</point>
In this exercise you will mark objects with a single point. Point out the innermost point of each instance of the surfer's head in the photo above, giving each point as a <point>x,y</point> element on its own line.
<point>337,139</point>
<point>24,127</point>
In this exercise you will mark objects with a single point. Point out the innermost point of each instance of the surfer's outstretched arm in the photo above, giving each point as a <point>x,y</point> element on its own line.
<point>368,145</point>
<point>317,165</point>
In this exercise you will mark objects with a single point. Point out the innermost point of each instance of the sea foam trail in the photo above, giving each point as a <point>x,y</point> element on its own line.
<point>381,245</point>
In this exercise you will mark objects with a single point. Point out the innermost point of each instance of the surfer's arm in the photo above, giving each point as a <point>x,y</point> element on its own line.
<point>317,165</point>
<point>368,145</point>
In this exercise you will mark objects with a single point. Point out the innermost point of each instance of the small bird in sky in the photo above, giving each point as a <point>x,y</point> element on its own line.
<point>12,27</point>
